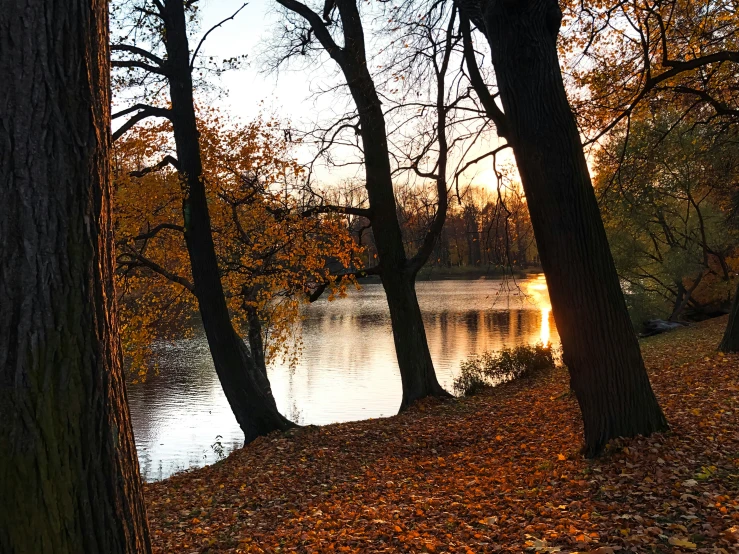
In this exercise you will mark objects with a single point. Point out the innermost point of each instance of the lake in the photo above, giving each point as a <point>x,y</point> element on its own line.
<point>347,369</point>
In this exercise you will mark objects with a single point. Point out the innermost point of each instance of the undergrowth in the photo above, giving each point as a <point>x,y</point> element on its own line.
<point>491,368</point>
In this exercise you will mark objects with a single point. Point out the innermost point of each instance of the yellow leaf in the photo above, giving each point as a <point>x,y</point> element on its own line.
<point>683,543</point>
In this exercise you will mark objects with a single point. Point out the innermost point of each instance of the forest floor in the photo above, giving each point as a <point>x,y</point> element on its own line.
<point>498,472</point>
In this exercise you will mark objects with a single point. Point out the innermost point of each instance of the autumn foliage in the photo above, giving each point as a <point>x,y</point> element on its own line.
<point>270,255</point>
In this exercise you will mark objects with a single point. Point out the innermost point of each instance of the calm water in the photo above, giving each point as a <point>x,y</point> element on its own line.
<point>347,370</point>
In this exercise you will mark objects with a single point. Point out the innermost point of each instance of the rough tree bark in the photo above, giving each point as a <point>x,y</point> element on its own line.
<point>246,387</point>
<point>397,272</point>
<point>69,476</point>
<point>599,345</point>
<point>730,340</point>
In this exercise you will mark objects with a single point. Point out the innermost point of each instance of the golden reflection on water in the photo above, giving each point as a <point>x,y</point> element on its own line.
<point>539,296</point>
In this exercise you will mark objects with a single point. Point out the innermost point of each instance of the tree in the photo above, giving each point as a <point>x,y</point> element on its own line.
<point>599,345</point>
<point>271,256</point>
<point>69,477</point>
<point>245,385</point>
<point>664,196</point>
<point>397,270</point>
<point>668,52</point>
<point>658,52</point>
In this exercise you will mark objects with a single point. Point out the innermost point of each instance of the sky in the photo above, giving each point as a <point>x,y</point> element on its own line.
<point>290,94</point>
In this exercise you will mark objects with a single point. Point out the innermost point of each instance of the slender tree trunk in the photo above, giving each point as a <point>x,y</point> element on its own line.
<point>411,347</point>
<point>246,387</point>
<point>730,341</point>
<point>599,344</point>
<point>680,302</point>
<point>397,274</point>
<point>69,476</point>
<point>684,297</point>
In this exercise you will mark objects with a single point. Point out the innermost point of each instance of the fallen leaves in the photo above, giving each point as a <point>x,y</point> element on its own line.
<point>499,472</point>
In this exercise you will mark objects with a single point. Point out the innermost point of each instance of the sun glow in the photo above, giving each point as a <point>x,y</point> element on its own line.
<point>538,294</point>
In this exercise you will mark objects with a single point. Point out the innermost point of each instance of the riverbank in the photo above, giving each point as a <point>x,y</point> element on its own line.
<point>499,472</point>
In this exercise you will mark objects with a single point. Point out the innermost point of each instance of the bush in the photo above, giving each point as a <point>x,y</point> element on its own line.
<point>491,368</point>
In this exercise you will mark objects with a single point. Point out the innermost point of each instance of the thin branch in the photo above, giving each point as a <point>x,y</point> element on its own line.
<point>319,28</point>
<point>330,209</point>
<point>138,259</point>
<point>155,230</point>
<point>139,65</point>
<point>316,294</point>
<point>213,28</point>
<point>138,51</point>
<point>167,160</point>
<point>486,99</point>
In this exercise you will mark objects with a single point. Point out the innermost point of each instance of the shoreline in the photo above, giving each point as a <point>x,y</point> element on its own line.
<point>498,472</point>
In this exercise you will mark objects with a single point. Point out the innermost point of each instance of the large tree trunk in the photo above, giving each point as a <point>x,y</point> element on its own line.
<point>730,340</point>
<point>246,387</point>
<point>598,341</point>
<point>69,476</point>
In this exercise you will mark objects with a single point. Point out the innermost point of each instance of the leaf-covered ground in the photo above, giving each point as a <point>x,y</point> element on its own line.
<point>498,472</point>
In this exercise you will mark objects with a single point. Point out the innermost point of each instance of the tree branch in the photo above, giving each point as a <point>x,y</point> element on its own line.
<point>154,231</point>
<point>167,160</point>
<point>139,65</point>
<point>330,209</point>
<point>442,194</point>
<point>318,26</point>
<point>213,28</point>
<point>146,111</point>
<point>316,294</point>
<point>486,99</point>
<point>138,259</point>
<point>138,51</point>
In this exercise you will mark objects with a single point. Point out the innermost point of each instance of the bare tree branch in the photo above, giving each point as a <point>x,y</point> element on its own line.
<point>138,51</point>
<point>146,111</point>
<point>167,160</point>
<point>213,28</point>
<point>486,99</point>
<point>319,28</point>
<point>329,209</point>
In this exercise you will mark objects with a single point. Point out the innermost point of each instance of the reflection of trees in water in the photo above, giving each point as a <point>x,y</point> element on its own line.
<point>347,369</point>
<point>354,337</point>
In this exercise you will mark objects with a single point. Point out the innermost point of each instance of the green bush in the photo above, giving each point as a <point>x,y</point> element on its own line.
<point>491,368</point>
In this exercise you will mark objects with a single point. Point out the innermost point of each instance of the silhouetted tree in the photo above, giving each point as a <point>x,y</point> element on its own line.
<point>599,345</point>
<point>397,270</point>
<point>244,383</point>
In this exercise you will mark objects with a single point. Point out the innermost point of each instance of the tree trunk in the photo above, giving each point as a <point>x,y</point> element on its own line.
<point>730,341</point>
<point>397,272</point>
<point>246,387</point>
<point>599,344</point>
<point>398,277</point>
<point>69,475</point>
<point>256,344</point>
<point>411,347</point>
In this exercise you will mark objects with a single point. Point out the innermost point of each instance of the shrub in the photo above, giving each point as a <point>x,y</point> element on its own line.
<point>491,368</point>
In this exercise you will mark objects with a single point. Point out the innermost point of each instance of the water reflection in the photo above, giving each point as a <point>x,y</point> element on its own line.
<point>536,290</point>
<point>347,370</point>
